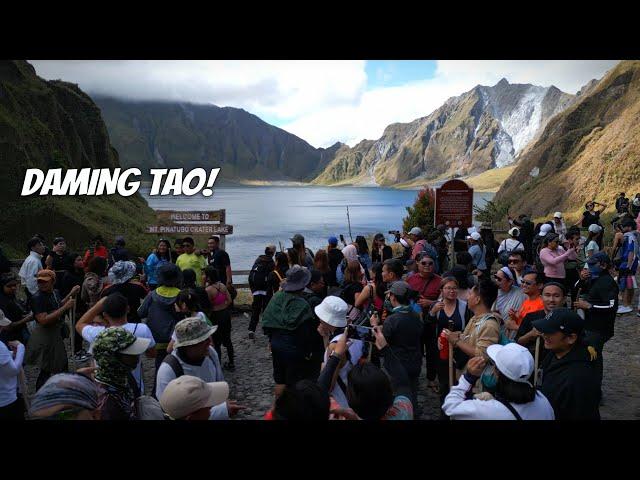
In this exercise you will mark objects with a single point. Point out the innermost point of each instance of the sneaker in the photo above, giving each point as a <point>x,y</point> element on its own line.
<point>638,313</point>
<point>622,309</point>
<point>229,366</point>
<point>252,336</point>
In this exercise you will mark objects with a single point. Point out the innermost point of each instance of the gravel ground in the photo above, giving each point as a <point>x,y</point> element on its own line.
<point>252,383</point>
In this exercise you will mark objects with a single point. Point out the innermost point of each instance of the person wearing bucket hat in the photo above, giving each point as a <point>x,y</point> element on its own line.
<point>332,313</point>
<point>515,398</point>
<point>114,312</point>
<point>190,398</point>
<point>288,322</point>
<point>193,355</point>
<point>121,276</point>
<point>117,352</point>
<point>46,345</point>
<point>569,373</point>
<point>11,358</point>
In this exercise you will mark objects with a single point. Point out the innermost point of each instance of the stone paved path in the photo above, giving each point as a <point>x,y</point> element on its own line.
<point>252,382</point>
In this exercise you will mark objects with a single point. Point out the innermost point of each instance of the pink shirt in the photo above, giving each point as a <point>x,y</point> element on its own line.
<point>553,261</point>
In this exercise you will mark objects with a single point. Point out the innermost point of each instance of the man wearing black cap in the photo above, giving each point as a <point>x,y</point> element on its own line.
<point>569,376</point>
<point>600,305</point>
<point>403,331</point>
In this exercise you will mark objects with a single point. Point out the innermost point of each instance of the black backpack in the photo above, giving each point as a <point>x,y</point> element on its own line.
<point>258,276</point>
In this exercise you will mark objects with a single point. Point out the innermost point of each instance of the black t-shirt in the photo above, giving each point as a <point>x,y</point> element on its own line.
<point>349,292</point>
<point>589,218</point>
<point>134,292</point>
<point>45,302</point>
<point>387,253</point>
<point>62,262</point>
<point>220,260</point>
<point>335,257</point>
<point>526,326</point>
<point>14,312</point>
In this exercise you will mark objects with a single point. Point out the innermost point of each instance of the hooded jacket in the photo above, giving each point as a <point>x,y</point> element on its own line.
<point>159,309</point>
<point>289,324</point>
<point>571,385</point>
<point>603,297</point>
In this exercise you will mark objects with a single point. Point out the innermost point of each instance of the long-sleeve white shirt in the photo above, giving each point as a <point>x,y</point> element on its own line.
<point>457,407</point>
<point>209,371</point>
<point>9,371</point>
<point>29,270</point>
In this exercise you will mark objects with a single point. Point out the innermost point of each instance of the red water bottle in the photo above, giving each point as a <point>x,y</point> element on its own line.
<point>443,345</point>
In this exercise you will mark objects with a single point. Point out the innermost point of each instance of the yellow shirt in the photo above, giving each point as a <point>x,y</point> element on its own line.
<point>194,262</point>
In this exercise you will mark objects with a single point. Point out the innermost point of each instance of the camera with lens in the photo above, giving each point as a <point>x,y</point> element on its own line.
<point>397,234</point>
<point>360,332</point>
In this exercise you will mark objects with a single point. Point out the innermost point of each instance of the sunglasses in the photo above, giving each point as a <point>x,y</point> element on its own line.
<point>426,263</point>
<point>513,261</point>
<point>526,282</point>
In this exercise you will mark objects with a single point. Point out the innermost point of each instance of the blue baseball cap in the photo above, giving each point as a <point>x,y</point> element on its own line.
<point>333,241</point>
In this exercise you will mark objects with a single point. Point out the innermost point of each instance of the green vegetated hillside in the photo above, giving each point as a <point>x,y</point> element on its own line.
<point>182,135</point>
<point>484,128</point>
<point>589,151</point>
<point>53,124</point>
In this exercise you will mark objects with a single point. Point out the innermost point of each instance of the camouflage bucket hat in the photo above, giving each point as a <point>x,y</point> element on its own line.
<point>192,331</point>
<point>118,340</point>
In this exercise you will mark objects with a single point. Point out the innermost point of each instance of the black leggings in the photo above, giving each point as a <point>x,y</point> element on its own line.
<point>430,346</point>
<point>259,304</point>
<point>222,336</point>
<point>13,411</point>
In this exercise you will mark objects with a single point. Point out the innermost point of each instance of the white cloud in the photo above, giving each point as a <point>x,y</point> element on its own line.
<point>320,101</point>
<point>382,106</point>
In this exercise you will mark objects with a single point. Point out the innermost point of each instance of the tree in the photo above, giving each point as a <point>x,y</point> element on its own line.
<point>422,213</point>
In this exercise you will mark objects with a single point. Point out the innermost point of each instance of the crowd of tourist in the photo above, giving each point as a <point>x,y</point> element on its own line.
<point>512,329</point>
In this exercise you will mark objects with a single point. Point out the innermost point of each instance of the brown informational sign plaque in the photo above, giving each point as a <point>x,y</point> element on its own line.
<point>192,229</point>
<point>195,216</point>
<point>454,201</point>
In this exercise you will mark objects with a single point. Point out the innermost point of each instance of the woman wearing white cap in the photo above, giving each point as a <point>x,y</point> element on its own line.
<point>332,313</point>
<point>559,226</point>
<point>478,252</point>
<point>592,247</point>
<point>515,397</point>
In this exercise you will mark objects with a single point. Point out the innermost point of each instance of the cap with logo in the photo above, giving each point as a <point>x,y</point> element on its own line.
<point>560,320</point>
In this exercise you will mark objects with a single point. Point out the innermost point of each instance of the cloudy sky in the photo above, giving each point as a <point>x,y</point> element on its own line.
<point>320,101</point>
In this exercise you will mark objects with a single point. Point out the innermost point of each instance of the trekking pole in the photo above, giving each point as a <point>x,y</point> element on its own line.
<point>535,370</point>
<point>23,388</point>
<point>73,329</point>
<point>349,222</point>
<point>280,243</point>
<point>451,373</point>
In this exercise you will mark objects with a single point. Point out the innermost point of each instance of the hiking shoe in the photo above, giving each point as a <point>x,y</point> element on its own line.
<point>252,336</point>
<point>229,366</point>
<point>81,356</point>
<point>623,309</point>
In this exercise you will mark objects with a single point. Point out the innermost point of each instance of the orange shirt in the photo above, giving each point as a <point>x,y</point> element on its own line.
<point>529,306</point>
